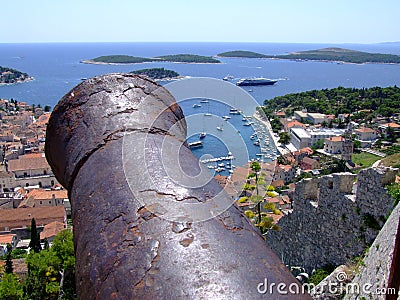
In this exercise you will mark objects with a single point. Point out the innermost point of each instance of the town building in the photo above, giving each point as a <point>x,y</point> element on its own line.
<point>22,217</point>
<point>334,145</point>
<point>365,135</point>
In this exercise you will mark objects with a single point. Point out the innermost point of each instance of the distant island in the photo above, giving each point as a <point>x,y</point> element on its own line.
<point>10,76</point>
<point>189,58</point>
<point>157,73</point>
<point>242,53</point>
<point>127,59</point>
<point>325,54</point>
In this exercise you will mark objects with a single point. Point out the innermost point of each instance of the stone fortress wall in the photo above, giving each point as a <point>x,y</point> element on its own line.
<point>334,218</point>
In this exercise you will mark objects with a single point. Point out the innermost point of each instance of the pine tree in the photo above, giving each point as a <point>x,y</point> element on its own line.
<point>35,238</point>
<point>8,269</point>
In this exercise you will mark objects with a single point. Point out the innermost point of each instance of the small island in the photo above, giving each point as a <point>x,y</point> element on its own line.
<point>325,54</point>
<point>127,59</point>
<point>117,59</point>
<point>10,76</point>
<point>157,73</point>
<point>242,53</point>
<point>189,58</point>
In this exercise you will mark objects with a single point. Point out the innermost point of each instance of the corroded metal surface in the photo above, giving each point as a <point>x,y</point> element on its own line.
<point>124,249</point>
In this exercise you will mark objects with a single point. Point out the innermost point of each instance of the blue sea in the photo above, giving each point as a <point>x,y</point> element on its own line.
<point>57,68</point>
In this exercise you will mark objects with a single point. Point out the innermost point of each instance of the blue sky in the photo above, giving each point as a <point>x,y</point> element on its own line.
<point>293,21</point>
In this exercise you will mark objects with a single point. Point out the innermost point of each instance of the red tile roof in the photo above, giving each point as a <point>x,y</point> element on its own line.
<point>364,129</point>
<point>335,139</point>
<point>21,217</point>
<point>52,229</point>
<point>6,238</point>
<point>33,161</point>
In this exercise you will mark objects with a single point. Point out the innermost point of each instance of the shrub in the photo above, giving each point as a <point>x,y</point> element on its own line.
<point>243,199</point>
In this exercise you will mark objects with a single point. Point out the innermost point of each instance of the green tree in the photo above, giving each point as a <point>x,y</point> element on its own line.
<point>284,138</point>
<point>8,269</point>
<point>47,108</point>
<point>10,288</point>
<point>256,167</point>
<point>51,273</point>
<point>34,244</point>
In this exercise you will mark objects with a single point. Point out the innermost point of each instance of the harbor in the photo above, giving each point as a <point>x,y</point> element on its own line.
<point>227,138</point>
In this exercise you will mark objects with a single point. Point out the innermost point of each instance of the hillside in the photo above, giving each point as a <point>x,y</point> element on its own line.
<point>340,100</point>
<point>9,76</point>
<point>325,54</point>
<point>157,73</point>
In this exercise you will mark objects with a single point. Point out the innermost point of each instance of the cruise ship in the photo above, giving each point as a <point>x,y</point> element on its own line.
<point>255,81</point>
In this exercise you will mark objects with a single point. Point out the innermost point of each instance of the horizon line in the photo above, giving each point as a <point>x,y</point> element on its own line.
<point>198,42</point>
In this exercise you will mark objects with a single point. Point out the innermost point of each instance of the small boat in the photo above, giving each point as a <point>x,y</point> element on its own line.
<point>196,144</point>
<point>221,165</point>
<point>256,143</point>
<point>247,124</point>
<point>204,101</point>
<point>250,91</point>
<point>211,167</point>
<point>228,77</point>
<point>234,111</point>
<point>196,105</point>
<point>207,114</point>
<point>220,128</point>
<point>202,135</point>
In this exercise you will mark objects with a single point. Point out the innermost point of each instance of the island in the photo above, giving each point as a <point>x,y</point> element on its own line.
<point>324,54</point>
<point>10,76</point>
<point>157,73</point>
<point>117,59</point>
<point>189,58</point>
<point>127,59</point>
<point>243,53</point>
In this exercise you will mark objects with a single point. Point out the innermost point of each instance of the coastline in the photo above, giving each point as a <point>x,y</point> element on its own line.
<point>18,81</point>
<point>92,62</point>
<point>267,124</point>
<point>313,60</point>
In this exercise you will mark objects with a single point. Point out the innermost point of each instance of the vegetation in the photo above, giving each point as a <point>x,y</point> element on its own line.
<point>394,191</point>
<point>284,138</point>
<point>342,55</point>
<point>8,269</point>
<point>8,75</point>
<point>51,273</point>
<point>367,103</point>
<point>119,59</point>
<point>325,54</point>
<point>364,159</point>
<point>392,160</point>
<point>188,58</point>
<point>241,53</point>
<point>157,73</point>
<point>127,59</point>
<point>10,288</point>
<point>34,244</point>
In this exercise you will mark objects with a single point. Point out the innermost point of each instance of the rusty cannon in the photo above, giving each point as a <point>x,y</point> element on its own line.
<point>117,143</point>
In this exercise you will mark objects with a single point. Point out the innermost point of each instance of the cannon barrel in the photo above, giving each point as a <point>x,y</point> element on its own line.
<point>104,142</point>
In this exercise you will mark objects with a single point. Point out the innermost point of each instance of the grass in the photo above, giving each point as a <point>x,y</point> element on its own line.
<point>365,159</point>
<point>392,160</point>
